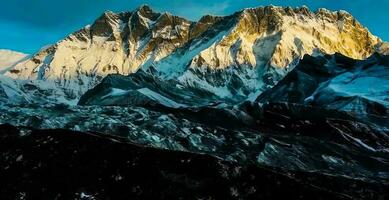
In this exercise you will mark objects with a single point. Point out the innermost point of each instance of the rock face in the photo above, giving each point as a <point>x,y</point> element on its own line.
<point>114,43</point>
<point>146,88</point>
<point>325,101</point>
<point>383,48</point>
<point>253,48</point>
<point>329,81</point>
<point>60,164</point>
<point>336,82</point>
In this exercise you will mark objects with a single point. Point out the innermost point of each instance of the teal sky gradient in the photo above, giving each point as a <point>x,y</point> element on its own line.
<point>28,25</point>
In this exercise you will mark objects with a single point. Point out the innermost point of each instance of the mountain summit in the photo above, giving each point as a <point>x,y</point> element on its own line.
<point>239,54</point>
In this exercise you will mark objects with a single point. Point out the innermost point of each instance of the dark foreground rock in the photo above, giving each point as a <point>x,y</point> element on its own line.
<point>61,164</point>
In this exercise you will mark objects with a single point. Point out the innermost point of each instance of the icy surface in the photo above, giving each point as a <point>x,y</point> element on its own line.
<point>176,132</point>
<point>359,87</point>
<point>165,101</point>
<point>9,58</point>
<point>370,84</point>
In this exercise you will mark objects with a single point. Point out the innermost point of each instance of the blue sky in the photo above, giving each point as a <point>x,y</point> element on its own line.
<point>28,25</point>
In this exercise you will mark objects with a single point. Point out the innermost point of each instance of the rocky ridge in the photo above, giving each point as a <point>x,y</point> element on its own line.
<point>254,46</point>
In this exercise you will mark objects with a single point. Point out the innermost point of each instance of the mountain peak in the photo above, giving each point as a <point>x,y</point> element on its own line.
<point>303,10</point>
<point>271,38</point>
<point>105,24</point>
<point>146,11</point>
<point>273,12</point>
<point>108,14</point>
<point>145,8</point>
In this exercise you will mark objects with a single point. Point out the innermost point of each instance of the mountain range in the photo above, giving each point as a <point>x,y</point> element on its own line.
<point>253,48</point>
<point>281,87</point>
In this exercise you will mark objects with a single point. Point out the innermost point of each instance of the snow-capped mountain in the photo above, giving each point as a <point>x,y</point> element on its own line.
<point>324,82</point>
<point>236,55</point>
<point>22,92</point>
<point>146,88</point>
<point>336,82</point>
<point>285,88</point>
<point>9,58</point>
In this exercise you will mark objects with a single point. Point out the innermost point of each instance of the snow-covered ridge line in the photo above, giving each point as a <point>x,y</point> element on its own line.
<point>9,58</point>
<point>253,48</point>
